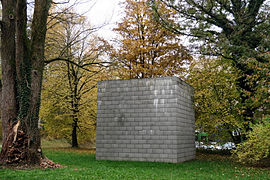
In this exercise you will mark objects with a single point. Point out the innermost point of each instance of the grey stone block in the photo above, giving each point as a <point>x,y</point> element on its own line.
<point>145,120</point>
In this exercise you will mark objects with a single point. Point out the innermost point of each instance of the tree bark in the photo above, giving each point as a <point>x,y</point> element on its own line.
<point>9,103</point>
<point>74,133</point>
<point>73,87</point>
<point>22,80</point>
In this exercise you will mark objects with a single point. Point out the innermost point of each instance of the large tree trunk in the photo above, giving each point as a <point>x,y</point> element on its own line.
<point>9,103</point>
<point>22,77</point>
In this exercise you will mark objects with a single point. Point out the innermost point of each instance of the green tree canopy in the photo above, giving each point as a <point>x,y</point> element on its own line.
<point>216,98</point>
<point>238,31</point>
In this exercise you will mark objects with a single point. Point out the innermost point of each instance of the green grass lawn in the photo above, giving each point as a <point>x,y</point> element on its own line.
<point>81,164</point>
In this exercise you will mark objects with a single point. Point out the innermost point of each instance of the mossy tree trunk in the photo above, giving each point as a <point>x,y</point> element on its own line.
<point>22,78</point>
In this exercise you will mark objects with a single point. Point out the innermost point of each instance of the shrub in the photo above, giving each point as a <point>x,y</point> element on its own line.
<point>255,150</point>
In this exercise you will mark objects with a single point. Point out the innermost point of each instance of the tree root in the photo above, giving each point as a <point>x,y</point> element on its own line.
<point>16,154</point>
<point>17,151</point>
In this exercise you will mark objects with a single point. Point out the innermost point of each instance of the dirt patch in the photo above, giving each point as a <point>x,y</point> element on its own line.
<point>213,157</point>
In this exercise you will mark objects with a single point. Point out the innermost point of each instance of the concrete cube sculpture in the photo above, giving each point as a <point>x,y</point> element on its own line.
<point>145,120</point>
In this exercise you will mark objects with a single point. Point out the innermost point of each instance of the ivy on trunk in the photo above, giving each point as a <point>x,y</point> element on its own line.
<point>22,69</point>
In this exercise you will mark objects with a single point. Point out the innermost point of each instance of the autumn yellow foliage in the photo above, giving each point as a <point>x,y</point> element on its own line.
<point>68,108</point>
<point>144,47</point>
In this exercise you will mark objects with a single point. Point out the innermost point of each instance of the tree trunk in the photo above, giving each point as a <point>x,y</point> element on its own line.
<point>9,102</point>
<point>22,78</point>
<point>75,113</point>
<point>73,81</point>
<point>74,133</point>
<point>1,106</point>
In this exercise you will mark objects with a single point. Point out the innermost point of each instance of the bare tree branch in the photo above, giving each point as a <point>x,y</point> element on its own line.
<point>78,65</point>
<point>63,2</point>
<point>1,25</point>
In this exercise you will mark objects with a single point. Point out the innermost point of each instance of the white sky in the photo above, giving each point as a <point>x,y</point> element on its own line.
<point>103,12</point>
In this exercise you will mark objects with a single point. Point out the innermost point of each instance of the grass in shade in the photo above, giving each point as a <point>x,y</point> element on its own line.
<point>81,164</point>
